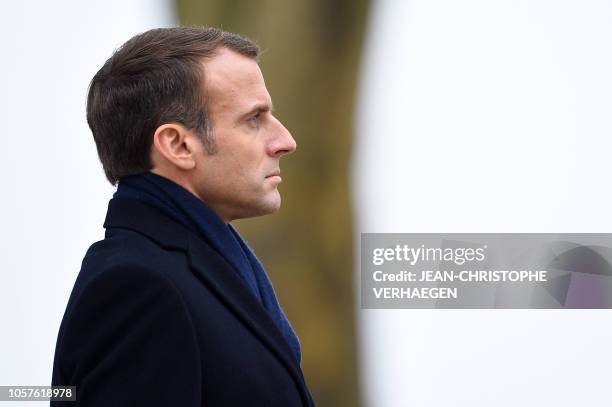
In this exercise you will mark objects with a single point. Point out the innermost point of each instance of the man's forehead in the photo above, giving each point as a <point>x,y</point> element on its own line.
<point>229,75</point>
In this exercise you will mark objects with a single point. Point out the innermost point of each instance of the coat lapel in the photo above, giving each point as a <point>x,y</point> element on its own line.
<point>213,270</point>
<point>219,276</point>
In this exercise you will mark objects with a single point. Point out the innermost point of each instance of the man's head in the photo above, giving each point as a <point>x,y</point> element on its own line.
<point>191,104</point>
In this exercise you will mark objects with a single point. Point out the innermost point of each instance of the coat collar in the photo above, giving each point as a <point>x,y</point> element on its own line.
<point>212,269</point>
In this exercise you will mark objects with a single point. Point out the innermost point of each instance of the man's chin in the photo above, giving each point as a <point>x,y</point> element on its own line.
<point>267,207</point>
<point>272,203</point>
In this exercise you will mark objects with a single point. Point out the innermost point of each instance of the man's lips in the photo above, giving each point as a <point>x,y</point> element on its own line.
<point>274,176</point>
<point>275,173</point>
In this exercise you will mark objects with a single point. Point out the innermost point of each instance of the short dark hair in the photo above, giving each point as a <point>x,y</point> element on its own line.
<point>156,77</point>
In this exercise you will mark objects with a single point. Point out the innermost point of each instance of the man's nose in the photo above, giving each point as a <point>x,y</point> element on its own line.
<point>282,143</point>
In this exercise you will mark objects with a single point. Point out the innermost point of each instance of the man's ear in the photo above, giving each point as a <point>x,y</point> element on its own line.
<point>173,146</point>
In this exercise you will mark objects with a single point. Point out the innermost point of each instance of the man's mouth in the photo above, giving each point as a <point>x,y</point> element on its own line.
<point>274,176</point>
<point>275,173</point>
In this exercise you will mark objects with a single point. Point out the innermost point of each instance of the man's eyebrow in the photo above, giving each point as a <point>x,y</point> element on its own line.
<point>260,108</point>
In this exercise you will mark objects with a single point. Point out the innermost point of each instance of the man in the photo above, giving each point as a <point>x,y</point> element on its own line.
<point>172,308</point>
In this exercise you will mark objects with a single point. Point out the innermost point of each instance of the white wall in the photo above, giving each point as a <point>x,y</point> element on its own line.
<point>485,116</point>
<point>54,193</point>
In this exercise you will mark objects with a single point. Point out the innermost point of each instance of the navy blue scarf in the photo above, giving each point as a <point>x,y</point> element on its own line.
<point>189,210</point>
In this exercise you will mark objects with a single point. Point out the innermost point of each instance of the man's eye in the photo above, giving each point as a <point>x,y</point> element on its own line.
<point>254,119</point>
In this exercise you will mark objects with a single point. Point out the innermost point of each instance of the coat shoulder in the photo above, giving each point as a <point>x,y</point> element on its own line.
<point>124,249</point>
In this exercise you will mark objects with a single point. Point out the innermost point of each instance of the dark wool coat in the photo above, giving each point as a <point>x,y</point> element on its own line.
<point>159,318</point>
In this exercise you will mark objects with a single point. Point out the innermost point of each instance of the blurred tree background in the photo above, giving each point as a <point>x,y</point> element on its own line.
<point>311,58</point>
